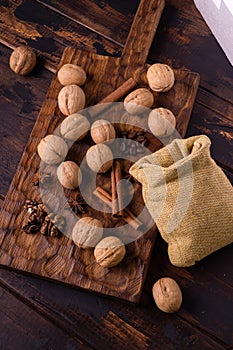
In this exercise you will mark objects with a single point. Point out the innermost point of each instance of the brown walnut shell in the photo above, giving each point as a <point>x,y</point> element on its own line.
<point>52,149</point>
<point>167,295</point>
<point>109,252</point>
<point>87,232</point>
<point>99,158</point>
<point>71,99</point>
<point>69,175</point>
<point>22,60</point>
<point>102,130</point>
<point>70,74</point>
<point>138,100</point>
<point>161,122</point>
<point>160,77</point>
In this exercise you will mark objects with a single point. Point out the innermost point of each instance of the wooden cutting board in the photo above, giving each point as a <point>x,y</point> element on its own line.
<point>58,258</point>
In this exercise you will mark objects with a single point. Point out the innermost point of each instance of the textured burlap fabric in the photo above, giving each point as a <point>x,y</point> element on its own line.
<point>189,198</point>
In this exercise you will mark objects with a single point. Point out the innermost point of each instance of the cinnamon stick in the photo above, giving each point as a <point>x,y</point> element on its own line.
<point>120,92</point>
<point>114,96</point>
<point>129,217</point>
<point>119,187</point>
<point>114,191</point>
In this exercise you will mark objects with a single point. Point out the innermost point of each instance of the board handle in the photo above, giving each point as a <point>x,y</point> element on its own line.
<point>142,32</point>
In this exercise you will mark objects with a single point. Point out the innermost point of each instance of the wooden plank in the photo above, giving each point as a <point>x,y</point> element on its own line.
<point>47,32</point>
<point>207,290</point>
<point>179,43</point>
<point>105,70</point>
<point>23,328</point>
<point>140,36</point>
<point>12,219</point>
<point>109,19</point>
<point>105,323</point>
<point>213,117</point>
<point>20,102</point>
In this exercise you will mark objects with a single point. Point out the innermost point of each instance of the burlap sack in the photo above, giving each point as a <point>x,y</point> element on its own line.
<point>189,198</point>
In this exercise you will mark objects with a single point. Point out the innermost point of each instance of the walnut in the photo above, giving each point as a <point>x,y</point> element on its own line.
<point>161,122</point>
<point>70,74</point>
<point>167,295</point>
<point>87,232</point>
<point>22,60</point>
<point>138,100</point>
<point>75,127</point>
<point>69,175</point>
<point>109,252</point>
<point>52,149</point>
<point>160,77</point>
<point>102,130</point>
<point>99,158</point>
<point>71,99</point>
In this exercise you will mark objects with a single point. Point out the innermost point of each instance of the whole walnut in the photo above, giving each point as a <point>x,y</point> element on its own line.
<point>102,130</point>
<point>75,127</point>
<point>138,100</point>
<point>167,295</point>
<point>70,74</point>
<point>99,158</point>
<point>22,60</point>
<point>69,175</point>
<point>52,149</point>
<point>109,252</point>
<point>71,99</point>
<point>160,77</point>
<point>161,122</point>
<point>87,232</point>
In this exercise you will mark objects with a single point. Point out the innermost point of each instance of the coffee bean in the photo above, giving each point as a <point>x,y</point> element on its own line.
<point>140,138</point>
<point>145,143</point>
<point>140,133</point>
<point>131,134</point>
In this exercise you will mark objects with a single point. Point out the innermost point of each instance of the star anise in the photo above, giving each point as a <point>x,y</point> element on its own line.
<point>76,203</point>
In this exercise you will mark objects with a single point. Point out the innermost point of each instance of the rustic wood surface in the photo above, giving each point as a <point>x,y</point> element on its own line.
<point>59,258</point>
<point>205,319</point>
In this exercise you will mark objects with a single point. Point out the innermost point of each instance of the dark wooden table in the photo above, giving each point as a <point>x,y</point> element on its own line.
<point>37,314</point>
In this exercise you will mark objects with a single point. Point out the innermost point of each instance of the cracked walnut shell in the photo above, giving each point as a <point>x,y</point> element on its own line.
<point>87,232</point>
<point>99,158</point>
<point>71,99</point>
<point>160,77</point>
<point>167,295</point>
<point>52,149</point>
<point>138,100</point>
<point>22,60</point>
<point>70,74</point>
<point>109,252</point>
<point>102,130</point>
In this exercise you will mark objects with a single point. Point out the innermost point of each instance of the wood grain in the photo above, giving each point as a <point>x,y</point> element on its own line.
<point>61,303</point>
<point>39,249</point>
<point>31,330</point>
<point>111,23</point>
<point>106,323</point>
<point>198,291</point>
<point>43,256</point>
<point>20,101</point>
<point>48,32</point>
<point>179,42</point>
